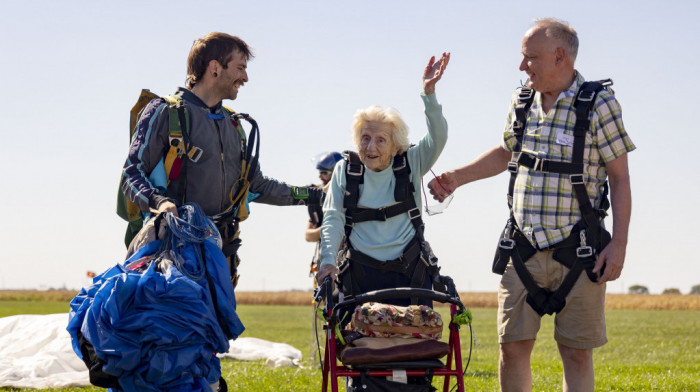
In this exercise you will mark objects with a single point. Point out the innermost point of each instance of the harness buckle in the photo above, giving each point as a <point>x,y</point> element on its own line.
<point>428,261</point>
<point>517,124</point>
<point>539,164</point>
<point>583,251</point>
<point>403,163</point>
<point>195,153</point>
<point>525,94</point>
<point>178,144</point>
<point>381,213</point>
<point>513,166</point>
<point>576,179</point>
<point>585,96</point>
<point>351,170</point>
<point>414,213</point>
<point>343,266</point>
<point>506,243</point>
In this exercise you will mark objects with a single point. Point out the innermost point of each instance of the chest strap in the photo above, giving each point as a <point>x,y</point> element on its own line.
<point>384,213</point>
<point>403,194</point>
<point>546,165</point>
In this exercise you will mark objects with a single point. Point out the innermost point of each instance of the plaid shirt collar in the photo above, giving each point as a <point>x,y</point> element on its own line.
<point>571,91</point>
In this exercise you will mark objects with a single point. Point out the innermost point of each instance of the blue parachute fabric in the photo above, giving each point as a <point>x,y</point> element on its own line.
<point>158,330</point>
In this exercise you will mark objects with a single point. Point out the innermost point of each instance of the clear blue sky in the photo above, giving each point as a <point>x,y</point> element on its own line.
<point>72,69</point>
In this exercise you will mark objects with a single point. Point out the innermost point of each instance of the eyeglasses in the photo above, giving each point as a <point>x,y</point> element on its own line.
<point>440,207</point>
<point>325,173</point>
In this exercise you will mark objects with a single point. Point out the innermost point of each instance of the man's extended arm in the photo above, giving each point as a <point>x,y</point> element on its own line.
<point>488,164</point>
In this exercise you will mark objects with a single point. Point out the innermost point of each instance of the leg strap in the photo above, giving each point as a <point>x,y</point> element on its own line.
<point>543,301</point>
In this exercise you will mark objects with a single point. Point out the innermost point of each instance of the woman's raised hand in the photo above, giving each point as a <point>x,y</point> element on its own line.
<point>433,72</point>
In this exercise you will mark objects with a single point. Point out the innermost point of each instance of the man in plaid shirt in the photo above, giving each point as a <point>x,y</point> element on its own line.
<point>545,208</point>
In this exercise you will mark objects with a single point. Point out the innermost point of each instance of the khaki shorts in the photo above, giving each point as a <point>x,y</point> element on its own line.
<point>580,324</point>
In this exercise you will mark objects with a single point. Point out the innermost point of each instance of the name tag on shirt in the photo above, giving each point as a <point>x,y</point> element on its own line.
<point>564,139</point>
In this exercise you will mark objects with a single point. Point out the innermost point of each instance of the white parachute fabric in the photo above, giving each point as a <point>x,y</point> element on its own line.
<point>36,352</point>
<point>253,349</point>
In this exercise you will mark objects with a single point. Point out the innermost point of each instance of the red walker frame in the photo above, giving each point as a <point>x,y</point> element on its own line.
<point>332,370</point>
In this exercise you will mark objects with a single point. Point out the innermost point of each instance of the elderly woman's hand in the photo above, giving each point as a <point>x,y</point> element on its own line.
<point>327,270</point>
<point>433,72</point>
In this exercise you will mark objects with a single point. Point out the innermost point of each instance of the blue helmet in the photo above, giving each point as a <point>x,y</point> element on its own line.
<point>328,160</point>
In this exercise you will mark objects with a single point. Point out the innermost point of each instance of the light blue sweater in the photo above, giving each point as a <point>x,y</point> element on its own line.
<point>382,240</point>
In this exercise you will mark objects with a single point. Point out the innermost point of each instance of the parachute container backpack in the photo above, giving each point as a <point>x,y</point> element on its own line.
<point>170,175</point>
<point>159,326</point>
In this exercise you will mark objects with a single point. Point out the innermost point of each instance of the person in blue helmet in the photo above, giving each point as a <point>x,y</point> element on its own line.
<point>326,163</point>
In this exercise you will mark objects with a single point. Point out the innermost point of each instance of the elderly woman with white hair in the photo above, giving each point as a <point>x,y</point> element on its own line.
<point>372,207</point>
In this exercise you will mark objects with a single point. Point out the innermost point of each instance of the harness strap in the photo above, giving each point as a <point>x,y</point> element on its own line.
<point>403,193</point>
<point>412,263</point>
<point>542,300</point>
<point>545,301</point>
<point>382,213</point>
<point>178,173</point>
<point>400,264</point>
<point>584,105</point>
<point>547,165</point>
<point>315,214</point>
<point>403,190</point>
<point>228,221</point>
<point>354,176</point>
<point>525,98</point>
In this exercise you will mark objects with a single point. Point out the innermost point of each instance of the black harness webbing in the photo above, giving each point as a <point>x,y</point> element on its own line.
<point>227,221</point>
<point>316,214</point>
<point>412,262</point>
<point>522,108</point>
<point>578,251</point>
<point>403,194</point>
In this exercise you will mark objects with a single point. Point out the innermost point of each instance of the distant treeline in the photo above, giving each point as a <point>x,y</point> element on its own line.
<point>472,300</point>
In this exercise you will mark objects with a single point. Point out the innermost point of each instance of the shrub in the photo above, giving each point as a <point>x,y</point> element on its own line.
<point>638,289</point>
<point>671,291</point>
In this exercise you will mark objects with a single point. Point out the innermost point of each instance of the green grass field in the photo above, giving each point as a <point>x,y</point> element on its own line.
<point>647,350</point>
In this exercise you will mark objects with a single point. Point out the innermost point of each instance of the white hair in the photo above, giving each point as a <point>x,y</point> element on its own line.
<point>562,32</point>
<point>377,114</point>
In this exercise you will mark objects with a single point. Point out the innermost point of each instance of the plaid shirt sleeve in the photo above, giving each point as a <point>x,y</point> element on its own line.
<point>610,135</point>
<point>508,136</point>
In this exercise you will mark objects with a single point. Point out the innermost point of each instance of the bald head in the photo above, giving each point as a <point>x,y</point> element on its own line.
<point>547,58</point>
